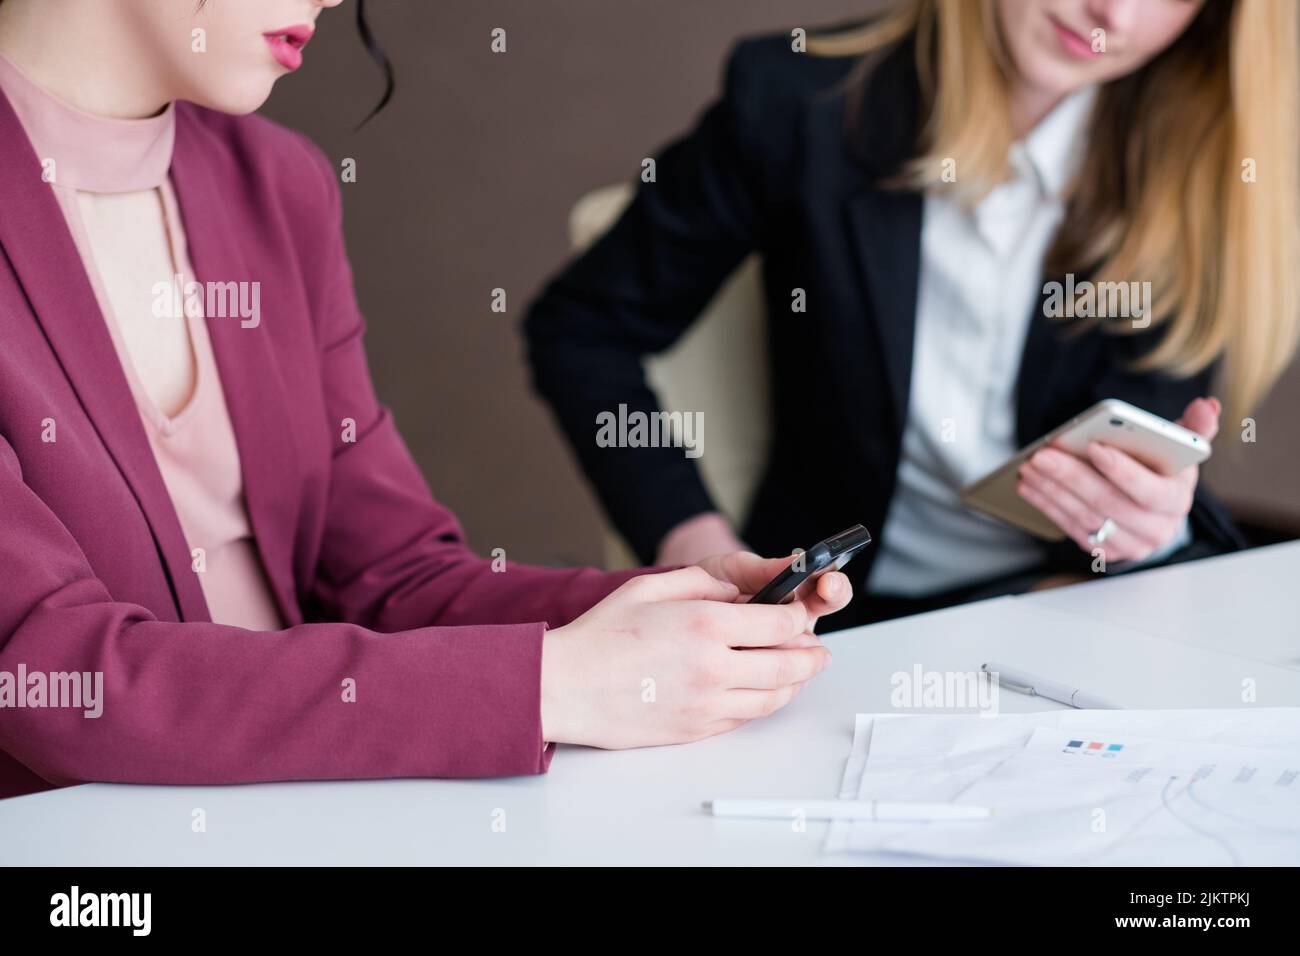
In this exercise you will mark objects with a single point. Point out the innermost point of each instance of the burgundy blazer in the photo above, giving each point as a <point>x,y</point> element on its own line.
<point>371,575</point>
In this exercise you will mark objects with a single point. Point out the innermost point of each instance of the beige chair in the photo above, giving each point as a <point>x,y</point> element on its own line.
<point>719,367</point>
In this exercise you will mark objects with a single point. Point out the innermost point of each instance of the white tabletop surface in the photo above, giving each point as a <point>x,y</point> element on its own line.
<point>1183,636</point>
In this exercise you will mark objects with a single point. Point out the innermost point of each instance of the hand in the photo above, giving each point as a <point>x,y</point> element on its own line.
<point>657,662</point>
<point>1148,508</point>
<point>749,573</point>
<point>696,539</point>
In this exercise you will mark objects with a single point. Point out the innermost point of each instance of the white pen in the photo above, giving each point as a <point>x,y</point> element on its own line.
<point>1042,687</point>
<point>881,810</point>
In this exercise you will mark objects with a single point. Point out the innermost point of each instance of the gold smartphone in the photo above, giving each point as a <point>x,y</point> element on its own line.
<point>1159,444</point>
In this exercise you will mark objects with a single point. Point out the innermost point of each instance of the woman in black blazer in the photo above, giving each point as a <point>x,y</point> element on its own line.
<point>826,159</point>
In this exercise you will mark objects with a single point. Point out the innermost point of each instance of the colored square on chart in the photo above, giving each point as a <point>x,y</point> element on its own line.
<point>1075,743</point>
<point>1094,745</point>
<point>1115,747</point>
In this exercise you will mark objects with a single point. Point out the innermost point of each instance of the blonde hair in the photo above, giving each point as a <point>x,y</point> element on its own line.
<point>1167,190</point>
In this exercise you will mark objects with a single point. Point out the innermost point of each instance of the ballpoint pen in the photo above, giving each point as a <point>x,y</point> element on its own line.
<point>1036,686</point>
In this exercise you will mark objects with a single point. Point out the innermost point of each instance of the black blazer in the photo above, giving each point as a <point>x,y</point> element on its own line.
<point>788,164</point>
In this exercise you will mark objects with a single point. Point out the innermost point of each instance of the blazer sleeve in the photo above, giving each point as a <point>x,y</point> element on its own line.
<point>203,703</point>
<point>635,292</point>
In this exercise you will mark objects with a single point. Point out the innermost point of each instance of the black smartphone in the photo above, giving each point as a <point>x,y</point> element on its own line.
<point>798,580</point>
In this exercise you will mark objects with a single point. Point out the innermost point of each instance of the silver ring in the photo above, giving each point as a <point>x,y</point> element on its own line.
<point>1107,529</point>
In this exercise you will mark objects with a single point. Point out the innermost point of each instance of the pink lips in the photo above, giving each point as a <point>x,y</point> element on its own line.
<point>1074,44</point>
<point>286,45</point>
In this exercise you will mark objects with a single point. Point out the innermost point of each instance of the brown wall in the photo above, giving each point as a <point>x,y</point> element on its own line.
<point>465,184</point>
<point>1261,479</point>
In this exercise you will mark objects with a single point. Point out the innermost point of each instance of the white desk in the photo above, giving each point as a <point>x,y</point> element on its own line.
<point>642,807</point>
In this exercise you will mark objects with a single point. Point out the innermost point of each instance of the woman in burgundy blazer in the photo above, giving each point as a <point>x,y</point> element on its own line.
<point>403,654</point>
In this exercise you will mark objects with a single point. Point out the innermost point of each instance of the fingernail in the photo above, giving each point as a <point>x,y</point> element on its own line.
<point>1101,453</point>
<point>1043,460</point>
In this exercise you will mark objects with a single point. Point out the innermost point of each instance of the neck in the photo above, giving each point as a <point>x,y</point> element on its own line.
<point>1028,107</point>
<point>84,54</point>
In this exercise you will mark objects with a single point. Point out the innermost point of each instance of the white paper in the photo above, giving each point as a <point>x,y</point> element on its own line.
<point>1059,805</point>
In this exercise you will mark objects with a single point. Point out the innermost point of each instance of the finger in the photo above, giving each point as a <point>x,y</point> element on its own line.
<point>754,704</point>
<point>1113,549</point>
<point>806,639</point>
<point>1089,495</point>
<point>1202,417</point>
<point>833,592</point>
<point>1058,516</point>
<point>1059,469</point>
<point>770,669</point>
<point>684,584</point>
<point>756,625</point>
<point>716,727</point>
<point>1039,499</point>
<point>748,571</point>
<point>1136,531</point>
<point>1078,514</point>
<point>727,724</point>
<point>1147,489</point>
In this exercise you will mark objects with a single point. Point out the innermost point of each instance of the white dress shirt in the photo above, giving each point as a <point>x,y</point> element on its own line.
<point>980,283</point>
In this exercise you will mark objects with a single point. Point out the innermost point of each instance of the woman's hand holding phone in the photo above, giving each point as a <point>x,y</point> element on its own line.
<point>659,661</point>
<point>1147,508</point>
<point>750,573</point>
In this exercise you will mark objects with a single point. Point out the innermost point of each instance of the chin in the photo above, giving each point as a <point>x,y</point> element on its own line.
<point>236,101</point>
<point>1052,76</point>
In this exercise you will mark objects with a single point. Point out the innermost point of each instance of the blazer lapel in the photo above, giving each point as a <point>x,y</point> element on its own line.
<point>44,256</point>
<point>886,223</point>
<point>1037,369</point>
<point>255,392</point>
<point>886,229</point>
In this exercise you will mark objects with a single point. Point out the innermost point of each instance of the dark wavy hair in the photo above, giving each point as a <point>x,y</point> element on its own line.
<point>379,56</point>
